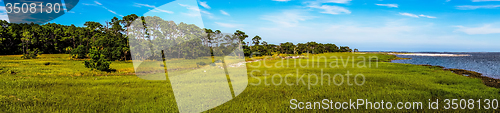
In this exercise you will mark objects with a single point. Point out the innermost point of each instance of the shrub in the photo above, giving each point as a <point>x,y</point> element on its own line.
<point>31,54</point>
<point>79,52</point>
<point>200,64</point>
<point>97,60</point>
<point>68,50</point>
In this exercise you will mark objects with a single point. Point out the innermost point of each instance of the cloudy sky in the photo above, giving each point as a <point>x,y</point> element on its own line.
<point>369,25</point>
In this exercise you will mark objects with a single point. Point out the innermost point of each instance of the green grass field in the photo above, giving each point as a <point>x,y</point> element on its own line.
<point>55,83</point>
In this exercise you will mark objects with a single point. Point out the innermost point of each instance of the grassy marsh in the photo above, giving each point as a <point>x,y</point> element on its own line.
<point>65,85</point>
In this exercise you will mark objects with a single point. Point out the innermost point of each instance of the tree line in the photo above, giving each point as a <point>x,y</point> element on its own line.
<point>52,38</point>
<point>259,48</point>
<point>139,37</point>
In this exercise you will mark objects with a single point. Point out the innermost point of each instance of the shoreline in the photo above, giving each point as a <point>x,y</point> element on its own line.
<point>431,54</point>
<point>488,81</point>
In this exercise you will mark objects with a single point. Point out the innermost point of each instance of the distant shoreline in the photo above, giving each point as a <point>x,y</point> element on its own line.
<point>488,81</point>
<point>430,54</point>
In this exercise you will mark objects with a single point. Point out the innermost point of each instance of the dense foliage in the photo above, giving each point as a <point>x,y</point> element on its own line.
<point>152,37</point>
<point>54,38</point>
<point>31,54</point>
<point>79,52</point>
<point>264,48</point>
<point>97,60</point>
<point>148,37</point>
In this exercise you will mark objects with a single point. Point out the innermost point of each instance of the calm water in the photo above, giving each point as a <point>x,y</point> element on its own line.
<point>486,63</point>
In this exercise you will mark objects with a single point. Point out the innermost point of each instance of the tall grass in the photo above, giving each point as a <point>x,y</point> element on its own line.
<point>55,83</point>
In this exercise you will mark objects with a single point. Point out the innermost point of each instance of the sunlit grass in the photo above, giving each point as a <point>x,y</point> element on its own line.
<point>65,85</point>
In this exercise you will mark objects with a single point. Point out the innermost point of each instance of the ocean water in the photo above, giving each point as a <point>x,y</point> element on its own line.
<point>487,63</point>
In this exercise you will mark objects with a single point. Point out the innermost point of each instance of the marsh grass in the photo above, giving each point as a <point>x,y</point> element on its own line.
<point>56,83</point>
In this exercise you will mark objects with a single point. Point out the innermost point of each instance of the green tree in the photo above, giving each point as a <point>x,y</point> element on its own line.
<point>79,52</point>
<point>344,49</point>
<point>301,48</point>
<point>331,47</point>
<point>287,48</point>
<point>241,35</point>
<point>176,40</point>
<point>97,60</point>
<point>256,40</point>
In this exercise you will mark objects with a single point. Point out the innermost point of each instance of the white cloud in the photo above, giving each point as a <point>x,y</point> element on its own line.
<point>205,5</point>
<point>205,12</point>
<point>388,5</point>
<point>287,18</point>
<point>87,4</point>
<point>98,3</point>
<point>416,16</point>
<point>448,0</point>
<point>145,5</point>
<point>388,29</point>
<point>427,16</point>
<point>155,9</point>
<point>335,1</point>
<point>470,7</point>
<point>194,11</point>
<point>282,0</point>
<point>394,35</point>
<point>227,25</point>
<point>485,29</point>
<point>332,9</point>
<point>2,9</point>
<point>112,11</point>
<point>320,2</point>
<point>161,10</point>
<point>409,14</point>
<point>65,10</point>
<point>224,13</point>
<point>190,7</point>
<point>329,9</point>
<point>194,8</point>
<point>4,16</point>
<point>484,0</point>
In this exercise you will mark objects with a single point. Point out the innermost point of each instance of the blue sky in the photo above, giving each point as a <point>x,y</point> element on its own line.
<point>369,25</point>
